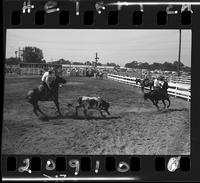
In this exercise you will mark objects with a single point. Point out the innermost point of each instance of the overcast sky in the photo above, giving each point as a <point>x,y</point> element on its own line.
<point>119,46</point>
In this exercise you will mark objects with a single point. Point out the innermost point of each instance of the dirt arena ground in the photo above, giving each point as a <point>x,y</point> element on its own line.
<point>134,127</point>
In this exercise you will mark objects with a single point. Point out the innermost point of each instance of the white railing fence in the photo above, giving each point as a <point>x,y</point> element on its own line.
<point>175,89</point>
<point>181,80</point>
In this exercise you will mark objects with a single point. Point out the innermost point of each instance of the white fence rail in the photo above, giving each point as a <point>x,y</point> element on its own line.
<point>182,80</point>
<point>175,89</point>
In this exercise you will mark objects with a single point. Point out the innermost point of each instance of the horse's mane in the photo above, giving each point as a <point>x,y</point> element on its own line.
<point>52,84</point>
<point>53,81</point>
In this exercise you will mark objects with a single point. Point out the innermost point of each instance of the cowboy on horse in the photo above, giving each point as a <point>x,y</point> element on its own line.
<point>46,81</point>
<point>47,91</point>
<point>156,85</point>
<point>165,86</point>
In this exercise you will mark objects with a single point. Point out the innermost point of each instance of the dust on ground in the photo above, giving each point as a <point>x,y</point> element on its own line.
<point>134,127</point>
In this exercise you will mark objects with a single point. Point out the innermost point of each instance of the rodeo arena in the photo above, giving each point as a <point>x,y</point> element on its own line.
<point>100,110</point>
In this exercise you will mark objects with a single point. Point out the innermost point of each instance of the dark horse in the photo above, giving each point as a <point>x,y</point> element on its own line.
<point>145,83</point>
<point>156,95</point>
<point>90,73</point>
<point>37,94</point>
<point>99,75</point>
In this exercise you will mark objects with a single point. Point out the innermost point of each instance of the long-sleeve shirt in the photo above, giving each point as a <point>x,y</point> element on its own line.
<point>47,78</point>
<point>156,83</point>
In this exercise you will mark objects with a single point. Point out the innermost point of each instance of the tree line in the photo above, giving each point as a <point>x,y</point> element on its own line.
<point>35,55</point>
<point>89,63</point>
<point>29,55</point>
<point>166,66</point>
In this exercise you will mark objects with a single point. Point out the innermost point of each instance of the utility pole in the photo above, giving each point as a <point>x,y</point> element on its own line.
<point>16,54</point>
<point>96,60</point>
<point>20,52</point>
<point>179,53</point>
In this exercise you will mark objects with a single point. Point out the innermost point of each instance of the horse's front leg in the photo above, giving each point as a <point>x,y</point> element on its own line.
<point>77,107</point>
<point>85,112</point>
<point>35,109</point>
<point>57,106</point>
<point>155,102</point>
<point>101,112</point>
<point>169,103</point>
<point>107,111</point>
<point>164,104</point>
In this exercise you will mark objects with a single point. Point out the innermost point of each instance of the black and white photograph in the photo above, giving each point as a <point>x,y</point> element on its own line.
<point>97,92</point>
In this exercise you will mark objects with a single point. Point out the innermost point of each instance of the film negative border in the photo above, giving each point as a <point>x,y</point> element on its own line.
<point>96,14</point>
<point>151,167</point>
<point>83,167</point>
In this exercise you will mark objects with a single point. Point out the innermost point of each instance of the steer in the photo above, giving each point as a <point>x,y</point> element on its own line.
<point>92,103</point>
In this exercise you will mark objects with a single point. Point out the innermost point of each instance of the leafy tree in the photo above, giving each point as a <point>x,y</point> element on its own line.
<point>111,64</point>
<point>96,64</point>
<point>99,64</point>
<point>176,64</point>
<point>12,61</point>
<point>155,66</point>
<point>187,69</point>
<point>88,63</point>
<point>78,63</point>
<point>43,61</point>
<point>63,61</point>
<point>117,67</point>
<point>32,55</point>
<point>144,65</point>
<point>133,64</point>
<point>166,66</point>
